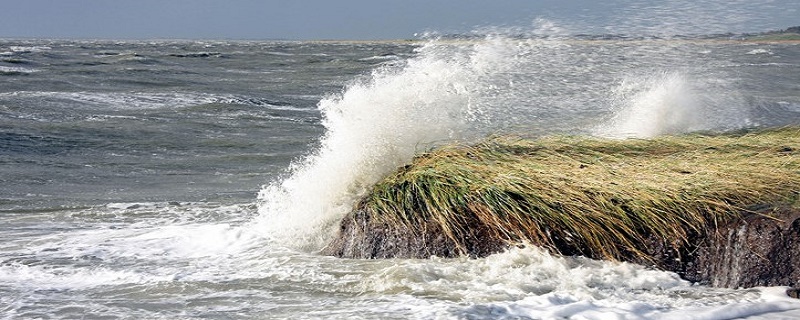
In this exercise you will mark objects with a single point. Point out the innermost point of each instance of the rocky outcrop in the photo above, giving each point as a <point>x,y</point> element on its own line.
<point>721,210</point>
<point>756,249</point>
<point>362,237</point>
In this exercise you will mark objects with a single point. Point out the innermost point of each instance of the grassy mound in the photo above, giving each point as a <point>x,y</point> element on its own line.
<point>599,198</point>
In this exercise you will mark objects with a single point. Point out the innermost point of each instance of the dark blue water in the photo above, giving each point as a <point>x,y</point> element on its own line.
<point>88,122</point>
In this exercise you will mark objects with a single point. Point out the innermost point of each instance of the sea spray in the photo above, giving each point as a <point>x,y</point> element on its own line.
<point>673,102</point>
<point>661,104</point>
<point>466,88</point>
<point>374,126</point>
<point>450,91</point>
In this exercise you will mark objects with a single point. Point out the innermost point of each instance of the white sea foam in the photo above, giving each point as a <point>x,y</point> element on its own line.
<point>16,70</point>
<point>29,49</point>
<point>529,283</point>
<point>47,277</point>
<point>174,242</point>
<point>132,100</point>
<point>523,282</point>
<point>157,257</point>
<point>518,273</point>
<point>140,100</point>
<point>760,51</point>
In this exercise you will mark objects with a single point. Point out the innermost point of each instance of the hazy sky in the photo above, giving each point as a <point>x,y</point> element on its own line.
<point>373,19</point>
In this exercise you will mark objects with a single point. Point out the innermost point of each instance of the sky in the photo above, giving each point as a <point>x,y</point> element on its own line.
<point>375,19</point>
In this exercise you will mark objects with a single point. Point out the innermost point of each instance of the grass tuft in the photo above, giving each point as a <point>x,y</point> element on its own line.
<point>602,198</point>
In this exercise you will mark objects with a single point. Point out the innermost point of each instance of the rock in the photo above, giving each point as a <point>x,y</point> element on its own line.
<point>364,238</point>
<point>672,203</point>
<point>757,249</point>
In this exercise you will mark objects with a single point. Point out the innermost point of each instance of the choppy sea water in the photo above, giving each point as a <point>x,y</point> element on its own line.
<point>197,179</point>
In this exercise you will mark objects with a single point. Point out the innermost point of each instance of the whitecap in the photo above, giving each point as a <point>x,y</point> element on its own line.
<point>29,49</point>
<point>145,100</point>
<point>760,51</point>
<point>16,70</point>
<point>43,277</point>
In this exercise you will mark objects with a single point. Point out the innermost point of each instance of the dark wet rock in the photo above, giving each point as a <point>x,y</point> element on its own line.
<point>758,249</point>
<point>755,249</point>
<point>365,238</point>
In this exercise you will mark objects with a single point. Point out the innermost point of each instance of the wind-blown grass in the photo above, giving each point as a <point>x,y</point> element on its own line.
<point>603,198</point>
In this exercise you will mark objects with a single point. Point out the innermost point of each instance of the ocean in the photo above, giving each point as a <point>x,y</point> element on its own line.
<point>199,179</point>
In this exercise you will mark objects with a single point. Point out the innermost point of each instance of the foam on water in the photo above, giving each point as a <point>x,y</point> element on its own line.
<point>760,51</point>
<point>518,273</point>
<point>48,278</point>
<point>29,49</point>
<point>179,259</point>
<point>138,100</point>
<point>172,240</point>
<point>530,283</point>
<point>4,70</point>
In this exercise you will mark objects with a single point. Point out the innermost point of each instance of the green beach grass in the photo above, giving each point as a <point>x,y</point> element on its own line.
<point>602,197</point>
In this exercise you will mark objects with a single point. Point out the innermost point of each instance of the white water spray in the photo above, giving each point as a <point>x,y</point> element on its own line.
<point>373,127</point>
<point>663,104</point>
<point>667,103</point>
<point>465,89</point>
